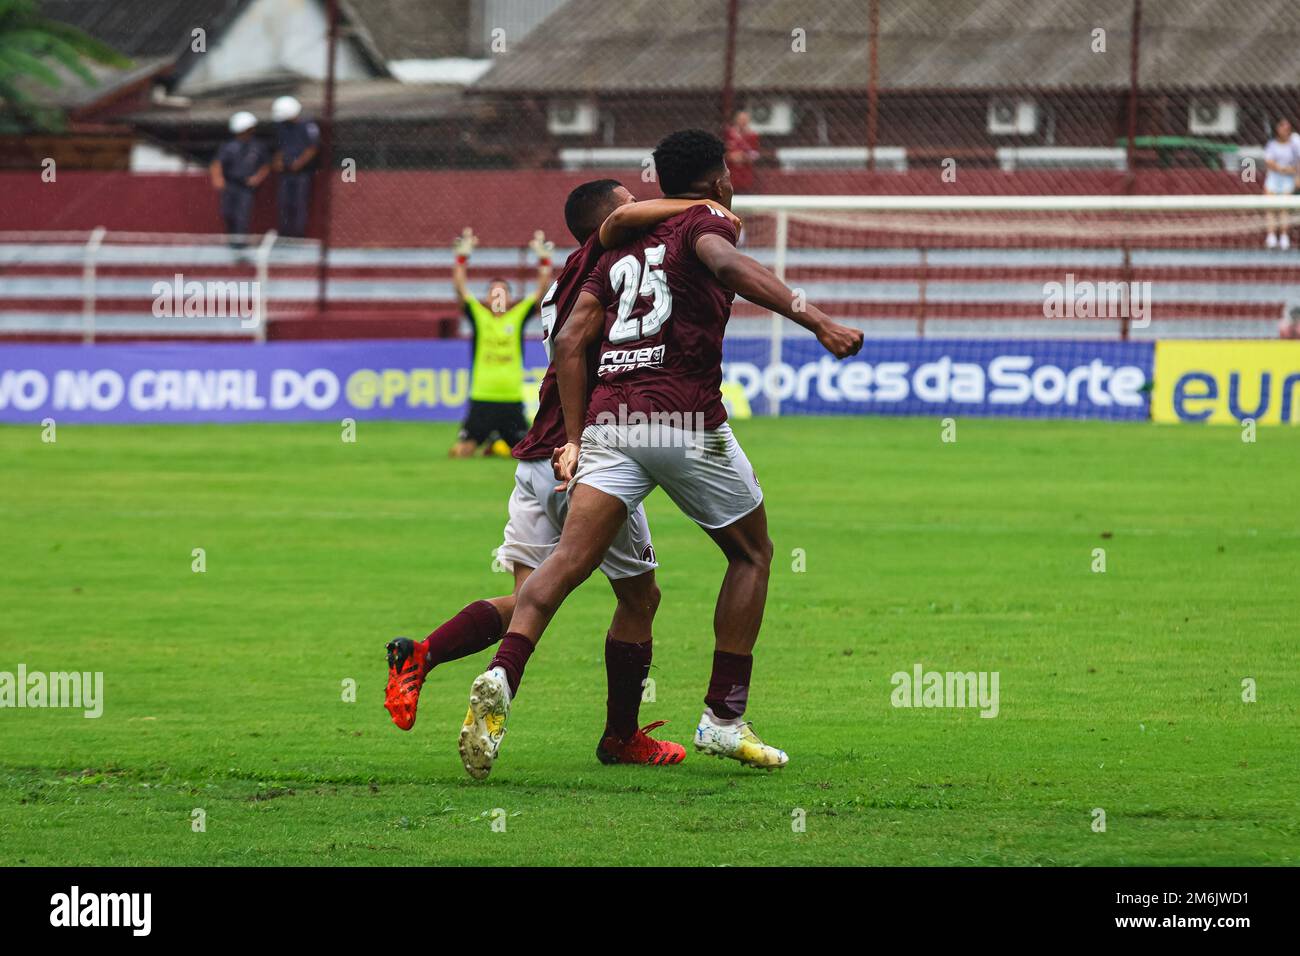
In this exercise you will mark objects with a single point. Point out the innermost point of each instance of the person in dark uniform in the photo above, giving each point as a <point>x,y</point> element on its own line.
<point>241,165</point>
<point>297,146</point>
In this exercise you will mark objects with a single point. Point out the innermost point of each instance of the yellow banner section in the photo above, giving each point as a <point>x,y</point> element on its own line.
<point>1226,382</point>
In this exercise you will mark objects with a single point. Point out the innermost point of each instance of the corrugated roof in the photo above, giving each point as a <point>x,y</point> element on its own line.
<point>354,100</point>
<point>143,28</point>
<point>74,93</point>
<point>645,45</point>
<point>387,29</point>
<point>414,29</point>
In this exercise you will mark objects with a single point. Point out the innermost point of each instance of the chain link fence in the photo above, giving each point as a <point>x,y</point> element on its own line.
<point>825,96</point>
<point>436,115</point>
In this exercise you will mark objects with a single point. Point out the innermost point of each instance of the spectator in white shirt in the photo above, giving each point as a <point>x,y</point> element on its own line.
<point>1282,157</point>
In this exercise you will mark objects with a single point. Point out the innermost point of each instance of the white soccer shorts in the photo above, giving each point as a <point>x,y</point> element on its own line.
<point>537,513</point>
<point>705,473</point>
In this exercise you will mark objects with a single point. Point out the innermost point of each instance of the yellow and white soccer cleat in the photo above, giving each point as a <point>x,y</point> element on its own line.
<point>737,741</point>
<point>485,722</point>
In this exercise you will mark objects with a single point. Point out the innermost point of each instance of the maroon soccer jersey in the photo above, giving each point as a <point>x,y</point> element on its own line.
<point>665,314</point>
<point>547,432</point>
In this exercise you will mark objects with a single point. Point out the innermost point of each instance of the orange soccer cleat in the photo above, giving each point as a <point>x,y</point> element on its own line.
<point>640,748</point>
<point>406,673</point>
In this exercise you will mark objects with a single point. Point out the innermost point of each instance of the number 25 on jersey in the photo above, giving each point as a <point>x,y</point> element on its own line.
<point>631,281</point>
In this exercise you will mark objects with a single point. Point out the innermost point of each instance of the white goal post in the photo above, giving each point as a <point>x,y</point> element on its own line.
<point>1026,203</point>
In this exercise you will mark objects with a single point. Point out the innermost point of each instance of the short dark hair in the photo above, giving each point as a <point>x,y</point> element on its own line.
<point>587,207</point>
<point>687,157</point>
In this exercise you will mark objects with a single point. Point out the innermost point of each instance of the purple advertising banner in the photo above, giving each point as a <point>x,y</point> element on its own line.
<point>428,380</point>
<point>241,382</point>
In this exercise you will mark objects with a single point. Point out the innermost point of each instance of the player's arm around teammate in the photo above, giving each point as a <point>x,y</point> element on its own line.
<point>630,220</point>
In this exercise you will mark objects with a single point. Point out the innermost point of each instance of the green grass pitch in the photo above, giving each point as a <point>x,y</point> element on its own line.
<point>1120,690</point>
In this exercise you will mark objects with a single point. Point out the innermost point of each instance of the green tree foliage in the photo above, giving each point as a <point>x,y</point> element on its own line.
<point>32,47</point>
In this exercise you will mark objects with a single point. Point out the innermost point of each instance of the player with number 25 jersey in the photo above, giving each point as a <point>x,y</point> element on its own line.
<point>662,350</point>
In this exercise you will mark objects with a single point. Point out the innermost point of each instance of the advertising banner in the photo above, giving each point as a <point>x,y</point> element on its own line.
<point>429,380</point>
<point>1225,382</point>
<point>1021,378</point>
<point>425,379</point>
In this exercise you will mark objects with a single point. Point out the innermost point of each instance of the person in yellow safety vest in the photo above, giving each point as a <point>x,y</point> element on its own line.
<point>495,420</point>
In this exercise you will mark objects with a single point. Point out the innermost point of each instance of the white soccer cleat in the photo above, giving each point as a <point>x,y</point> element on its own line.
<point>1271,241</point>
<point>485,722</point>
<point>1285,241</point>
<point>738,741</point>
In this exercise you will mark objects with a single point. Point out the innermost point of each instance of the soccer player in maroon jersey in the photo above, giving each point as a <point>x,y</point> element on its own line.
<point>600,214</point>
<point>657,309</point>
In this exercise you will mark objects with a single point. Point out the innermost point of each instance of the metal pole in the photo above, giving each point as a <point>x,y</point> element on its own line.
<point>922,292</point>
<point>88,284</point>
<point>729,63</point>
<point>263,284</point>
<point>1134,59</point>
<point>873,82</point>
<point>1128,290</point>
<point>781,241</point>
<point>327,156</point>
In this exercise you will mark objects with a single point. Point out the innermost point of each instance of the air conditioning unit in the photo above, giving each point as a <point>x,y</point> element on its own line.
<point>1009,117</point>
<point>570,118</point>
<point>1212,118</point>
<point>774,117</point>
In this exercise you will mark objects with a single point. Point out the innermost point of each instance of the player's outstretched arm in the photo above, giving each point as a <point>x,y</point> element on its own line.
<point>746,277</point>
<point>464,245</point>
<point>633,219</point>
<point>583,328</point>
<point>542,248</point>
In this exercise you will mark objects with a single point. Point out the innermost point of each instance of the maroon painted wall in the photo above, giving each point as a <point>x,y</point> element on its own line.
<point>429,208</point>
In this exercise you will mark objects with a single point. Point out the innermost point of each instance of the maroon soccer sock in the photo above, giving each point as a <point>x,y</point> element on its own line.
<point>626,668</point>
<point>729,686</point>
<point>475,627</point>
<point>511,657</point>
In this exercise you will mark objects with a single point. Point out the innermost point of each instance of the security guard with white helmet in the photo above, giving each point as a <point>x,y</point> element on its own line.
<point>297,146</point>
<point>240,166</point>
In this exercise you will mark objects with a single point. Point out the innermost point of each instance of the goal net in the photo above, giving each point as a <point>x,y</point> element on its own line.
<point>1085,272</point>
<point>942,266</point>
